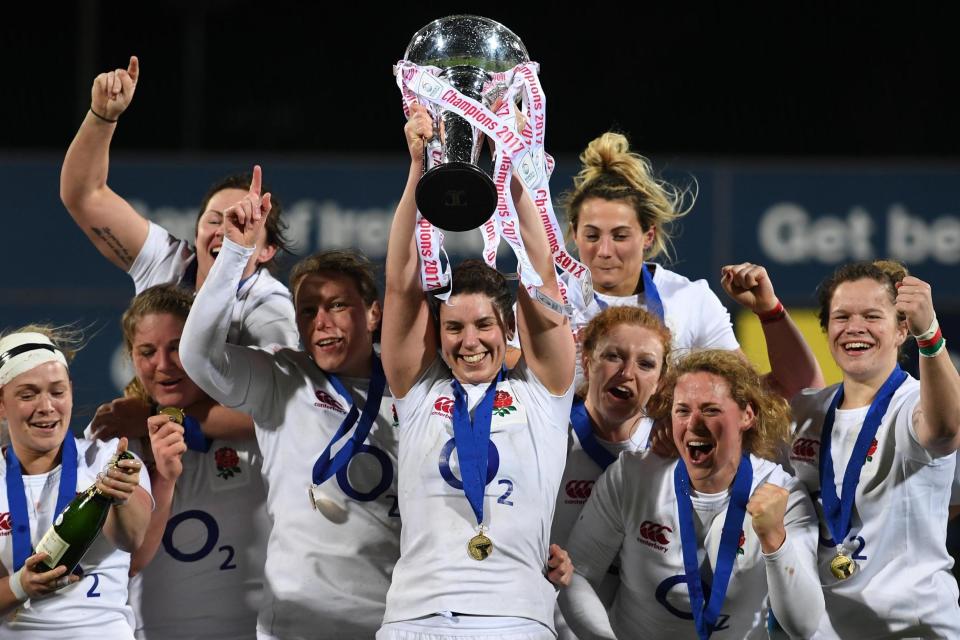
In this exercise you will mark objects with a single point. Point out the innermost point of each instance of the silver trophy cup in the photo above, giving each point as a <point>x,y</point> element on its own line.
<point>456,194</point>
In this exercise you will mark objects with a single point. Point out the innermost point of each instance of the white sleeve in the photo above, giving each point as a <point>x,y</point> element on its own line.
<point>584,612</point>
<point>236,377</point>
<point>162,259</point>
<point>272,324</point>
<point>598,532</point>
<point>796,596</point>
<point>714,330</point>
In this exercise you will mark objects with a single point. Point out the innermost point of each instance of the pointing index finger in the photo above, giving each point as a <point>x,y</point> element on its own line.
<point>256,181</point>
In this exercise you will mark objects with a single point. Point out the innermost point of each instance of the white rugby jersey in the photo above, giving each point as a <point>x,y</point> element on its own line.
<point>692,311</point>
<point>525,464</point>
<point>94,608</point>
<point>632,514</point>
<point>898,525</point>
<point>206,579</point>
<point>579,476</point>
<point>328,569</point>
<point>263,314</point>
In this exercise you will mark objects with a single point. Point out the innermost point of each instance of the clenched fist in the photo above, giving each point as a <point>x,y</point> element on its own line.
<point>767,506</point>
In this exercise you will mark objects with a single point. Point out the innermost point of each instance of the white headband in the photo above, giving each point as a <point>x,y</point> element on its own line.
<point>20,352</point>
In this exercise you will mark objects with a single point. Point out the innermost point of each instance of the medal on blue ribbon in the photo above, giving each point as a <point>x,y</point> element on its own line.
<point>472,438</point>
<point>651,295</point>
<point>706,612</point>
<point>837,510</point>
<point>17,496</point>
<point>326,467</point>
<point>582,426</point>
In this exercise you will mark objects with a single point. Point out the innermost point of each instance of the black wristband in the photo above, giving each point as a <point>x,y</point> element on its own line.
<point>104,118</point>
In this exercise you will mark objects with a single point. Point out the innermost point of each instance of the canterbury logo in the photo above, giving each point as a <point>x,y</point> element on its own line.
<point>805,449</point>
<point>651,532</point>
<point>326,401</point>
<point>443,407</point>
<point>579,490</point>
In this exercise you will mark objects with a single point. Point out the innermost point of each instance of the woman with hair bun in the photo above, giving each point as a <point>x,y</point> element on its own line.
<point>621,218</point>
<point>876,452</point>
<point>715,541</point>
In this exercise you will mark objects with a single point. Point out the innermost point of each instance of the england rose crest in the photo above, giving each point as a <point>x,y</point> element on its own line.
<point>503,404</point>
<point>228,462</point>
<point>872,450</point>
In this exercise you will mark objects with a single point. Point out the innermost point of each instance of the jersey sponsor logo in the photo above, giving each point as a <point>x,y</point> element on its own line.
<point>228,462</point>
<point>5,525</point>
<point>578,491</point>
<point>805,450</point>
<point>654,535</point>
<point>872,450</point>
<point>443,407</point>
<point>326,401</point>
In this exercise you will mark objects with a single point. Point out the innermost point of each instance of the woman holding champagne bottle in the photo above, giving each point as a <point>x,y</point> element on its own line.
<point>44,467</point>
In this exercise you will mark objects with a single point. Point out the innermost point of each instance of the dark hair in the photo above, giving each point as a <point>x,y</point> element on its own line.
<point>475,276</point>
<point>885,272</point>
<point>348,262</point>
<point>274,225</point>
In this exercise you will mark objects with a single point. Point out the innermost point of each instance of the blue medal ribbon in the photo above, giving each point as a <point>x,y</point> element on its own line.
<point>837,510</point>
<point>325,467</point>
<point>582,426</point>
<point>17,496</point>
<point>651,295</point>
<point>472,438</point>
<point>706,613</point>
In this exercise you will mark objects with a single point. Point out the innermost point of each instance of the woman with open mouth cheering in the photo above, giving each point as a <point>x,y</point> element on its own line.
<point>877,451</point>
<point>705,540</point>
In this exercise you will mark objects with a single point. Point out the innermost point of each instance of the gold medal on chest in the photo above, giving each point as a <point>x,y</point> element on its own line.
<point>842,567</point>
<point>480,546</point>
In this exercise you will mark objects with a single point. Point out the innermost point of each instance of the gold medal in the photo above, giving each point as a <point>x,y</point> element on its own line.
<point>479,547</point>
<point>174,413</point>
<point>842,567</point>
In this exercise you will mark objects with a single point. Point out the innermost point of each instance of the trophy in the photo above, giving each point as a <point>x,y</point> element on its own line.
<point>469,51</point>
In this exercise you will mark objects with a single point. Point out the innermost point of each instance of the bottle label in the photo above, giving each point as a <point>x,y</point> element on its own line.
<point>54,546</point>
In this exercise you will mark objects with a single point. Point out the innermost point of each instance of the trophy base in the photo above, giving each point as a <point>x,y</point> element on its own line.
<point>456,196</point>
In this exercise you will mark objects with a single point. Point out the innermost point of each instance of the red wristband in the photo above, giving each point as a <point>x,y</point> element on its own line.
<point>777,313</point>
<point>932,341</point>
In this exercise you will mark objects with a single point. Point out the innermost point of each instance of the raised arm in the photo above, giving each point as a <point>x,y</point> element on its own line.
<point>793,367</point>
<point>127,417</point>
<point>937,420</point>
<point>115,228</point>
<point>408,335</point>
<point>234,376</point>
<point>545,336</point>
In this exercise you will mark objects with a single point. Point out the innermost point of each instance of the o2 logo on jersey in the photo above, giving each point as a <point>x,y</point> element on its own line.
<point>663,590</point>
<point>493,465</point>
<point>5,525</point>
<point>443,407</point>
<point>386,475</point>
<point>805,450</point>
<point>578,491</point>
<point>654,535</point>
<point>210,541</point>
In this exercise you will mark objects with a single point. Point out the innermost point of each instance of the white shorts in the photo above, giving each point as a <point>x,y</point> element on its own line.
<point>454,627</point>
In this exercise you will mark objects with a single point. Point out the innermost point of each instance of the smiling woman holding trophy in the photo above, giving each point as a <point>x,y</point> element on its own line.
<point>482,449</point>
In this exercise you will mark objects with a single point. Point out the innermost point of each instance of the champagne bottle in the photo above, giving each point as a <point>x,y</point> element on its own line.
<point>76,528</point>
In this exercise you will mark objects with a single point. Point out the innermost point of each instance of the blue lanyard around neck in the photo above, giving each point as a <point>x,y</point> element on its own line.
<point>325,467</point>
<point>17,496</point>
<point>582,426</point>
<point>837,509</point>
<point>706,613</point>
<point>651,295</point>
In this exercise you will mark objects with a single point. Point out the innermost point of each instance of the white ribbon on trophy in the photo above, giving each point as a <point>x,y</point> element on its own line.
<point>523,150</point>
